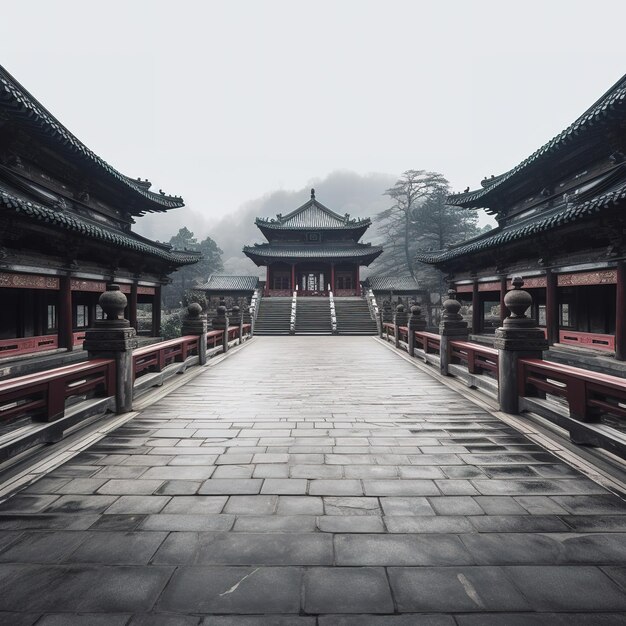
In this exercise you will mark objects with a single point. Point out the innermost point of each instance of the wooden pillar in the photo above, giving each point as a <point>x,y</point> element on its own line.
<point>332,277</point>
<point>293,277</point>
<point>132,306</point>
<point>156,312</point>
<point>66,337</point>
<point>504,312</point>
<point>358,281</point>
<point>552,308</point>
<point>93,301</point>
<point>267,279</point>
<point>620,313</point>
<point>476,312</point>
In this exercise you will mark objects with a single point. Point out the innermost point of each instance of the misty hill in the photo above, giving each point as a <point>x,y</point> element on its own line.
<point>341,191</point>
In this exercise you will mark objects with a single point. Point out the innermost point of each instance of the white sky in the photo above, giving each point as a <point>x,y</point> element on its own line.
<point>224,101</point>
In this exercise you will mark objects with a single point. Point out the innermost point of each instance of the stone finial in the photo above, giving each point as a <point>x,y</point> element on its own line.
<point>221,311</point>
<point>194,310</point>
<point>517,300</point>
<point>312,194</point>
<point>451,307</point>
<point>416,319</point>
<point>113,302</point>
<point>401,317</point>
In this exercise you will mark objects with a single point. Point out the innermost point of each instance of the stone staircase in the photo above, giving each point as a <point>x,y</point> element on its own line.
<point>353,317</point>
<point>313,316</point>
<point>273,317</point>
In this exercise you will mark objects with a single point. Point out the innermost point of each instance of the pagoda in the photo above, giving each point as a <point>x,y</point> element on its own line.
<point>313,250</point>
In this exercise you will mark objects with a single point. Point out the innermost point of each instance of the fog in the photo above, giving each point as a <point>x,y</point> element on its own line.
<point>241,106</point>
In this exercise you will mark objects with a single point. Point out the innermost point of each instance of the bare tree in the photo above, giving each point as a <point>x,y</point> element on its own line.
<point>411,190</point>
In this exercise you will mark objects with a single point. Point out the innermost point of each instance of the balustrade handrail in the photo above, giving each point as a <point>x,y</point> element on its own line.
<point>153,347</point>
<point>474,347</point>
<point>51,388</point>
<point>157,356</point>
<point>586,392</point>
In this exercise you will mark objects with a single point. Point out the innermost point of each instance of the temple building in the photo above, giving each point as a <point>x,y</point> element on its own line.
<point>561,226</point>
<point>66,221</point>
<point>234,290</point>
<point>312,250</point>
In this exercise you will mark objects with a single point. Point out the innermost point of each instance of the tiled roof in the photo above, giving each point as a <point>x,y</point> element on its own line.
<point>611,104</point>
<point>355,250</point>
<point>393,283</point>
<point>17,103</point>
<point>220,282</point>
<point>566,213</point>
<point>73,223</point>
<point>312,214</point>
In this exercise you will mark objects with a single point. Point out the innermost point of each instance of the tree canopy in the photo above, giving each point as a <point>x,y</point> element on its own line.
<point>420,220</point>
<point>188,276</point>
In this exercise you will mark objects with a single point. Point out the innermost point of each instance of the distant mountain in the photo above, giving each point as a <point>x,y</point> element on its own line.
<point>341,191</point>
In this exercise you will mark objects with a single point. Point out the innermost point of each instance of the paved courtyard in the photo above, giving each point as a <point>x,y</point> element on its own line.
<point>313,480</point>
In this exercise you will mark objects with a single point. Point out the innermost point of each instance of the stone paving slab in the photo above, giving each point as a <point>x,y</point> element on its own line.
<point>313,481</point>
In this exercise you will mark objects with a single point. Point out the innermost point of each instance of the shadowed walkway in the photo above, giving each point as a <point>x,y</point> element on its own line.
<point>308,477</point>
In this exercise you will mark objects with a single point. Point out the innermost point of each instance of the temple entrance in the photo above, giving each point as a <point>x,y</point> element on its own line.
<point>312,283</point>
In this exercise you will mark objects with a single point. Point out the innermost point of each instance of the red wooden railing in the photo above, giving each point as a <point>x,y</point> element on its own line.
<point>588,340</point>
<point>214,338</point>
<point>156,357</point>
<point>587,393</point>
<point>428,342</point>
<point>478,359</point>
<point>27,345</point>
<point>590,396</point>
<point>43,395</point>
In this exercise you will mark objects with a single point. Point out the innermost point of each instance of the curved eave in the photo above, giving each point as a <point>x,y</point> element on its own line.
<point>64,221</point>
<point>609,106</point>
<point>270,230</point>
<point>20,105</point>
<point>261,256</point>
<point>498,237</point>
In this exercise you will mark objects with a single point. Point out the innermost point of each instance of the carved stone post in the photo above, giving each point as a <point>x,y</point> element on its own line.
<point>114,338</point>
<point>452,326</point>
<point>236,319</point>
<point>519,337</point>
<point>220,322</point>
<point>401,318</point>
<point>195,324</point>
<point>416,323</point>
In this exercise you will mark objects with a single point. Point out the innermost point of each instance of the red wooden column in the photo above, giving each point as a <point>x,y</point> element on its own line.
<point>66,337</point>
<point>332,277</point>
<point>267,279</point>
<point>620,313</point>
<point>504,312</point>
<point>156,312</point>
<point>476,312</point>
<point>552,308</point>
<point>293,277</point>
<point>358,281</point>
<point>132,306</point>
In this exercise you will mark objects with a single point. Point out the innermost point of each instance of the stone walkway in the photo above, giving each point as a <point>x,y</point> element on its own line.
<point>318,480</point>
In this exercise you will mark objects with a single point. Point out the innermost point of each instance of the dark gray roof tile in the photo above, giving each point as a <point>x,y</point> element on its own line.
<point>221,282</point>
